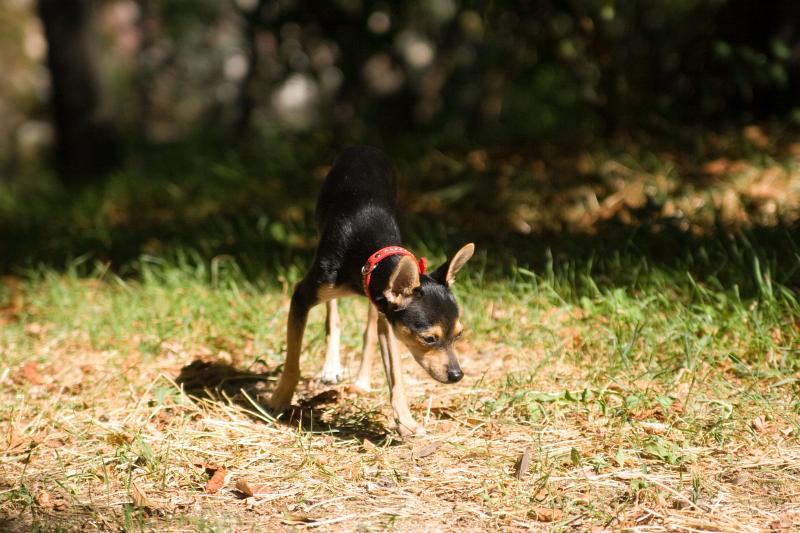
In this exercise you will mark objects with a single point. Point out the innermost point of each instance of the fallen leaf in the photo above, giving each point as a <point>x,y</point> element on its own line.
<point>717,166</point>
<point>295,518</point>
<point>473,421</point>
<point>139,497</point>
<point>43,500</point>
<point>34,329</point>
<point>654,428</point>
<point>443,412</point>
<point>243,486</point>
<point>14,441</point>
<point>760,424</point>
<point>647,413</point>
<point>54,443</point>
<point>445,426</point>
<point>784,523</point>
<point>216,481</point>
<point>118,439</point>
<point>523,463</point>
<point>545,514</point>
<point>30,373</point>
<point>756,135</point>
<point>164,417</point>
<point>428,449</point>
<point>731,210</point>
<point>478,160</point>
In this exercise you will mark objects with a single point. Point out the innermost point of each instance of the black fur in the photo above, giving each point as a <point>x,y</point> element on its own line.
<point>356,217</point>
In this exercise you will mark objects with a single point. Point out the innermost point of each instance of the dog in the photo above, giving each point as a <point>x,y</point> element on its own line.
<point>360,253</point>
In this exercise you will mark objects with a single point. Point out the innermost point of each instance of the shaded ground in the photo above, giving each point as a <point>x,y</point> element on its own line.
<point>524,205</point>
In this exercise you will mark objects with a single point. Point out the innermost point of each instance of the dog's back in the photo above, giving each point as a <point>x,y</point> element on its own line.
<point>361,176</point>
<point>355,215</point>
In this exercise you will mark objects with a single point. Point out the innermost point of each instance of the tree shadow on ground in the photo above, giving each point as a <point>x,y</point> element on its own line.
<point>319,412</point>
<point>542,208</point>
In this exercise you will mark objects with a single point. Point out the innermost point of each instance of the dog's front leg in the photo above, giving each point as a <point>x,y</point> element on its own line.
<point>363,382</point>
<point>332,369</point>
<point>303,299</point>
<point>406,425</point>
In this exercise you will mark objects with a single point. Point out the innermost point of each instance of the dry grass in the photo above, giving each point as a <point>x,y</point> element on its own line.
<point>106,424</point>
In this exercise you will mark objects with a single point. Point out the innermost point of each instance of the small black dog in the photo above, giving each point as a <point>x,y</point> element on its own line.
<point>359,252</point>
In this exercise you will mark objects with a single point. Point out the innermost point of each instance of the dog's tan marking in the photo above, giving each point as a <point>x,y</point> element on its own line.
<point>458,261</point>
<point>433,331</point>
<point>406,425</point>
<point>402,282</point>
<point>331,292</point>
<point>281,398</point>
<point>363,380</point>
<point>436,331</point>
<point>332,368</point>
<point>433,360</point>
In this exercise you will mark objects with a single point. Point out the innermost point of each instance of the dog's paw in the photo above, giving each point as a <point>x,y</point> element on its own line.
<point>331,375</point>
<point>359,388</point>
<point>278,403</point>
<point>410,429</point>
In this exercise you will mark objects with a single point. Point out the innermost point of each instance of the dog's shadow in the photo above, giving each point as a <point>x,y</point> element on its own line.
<point>323,412</point>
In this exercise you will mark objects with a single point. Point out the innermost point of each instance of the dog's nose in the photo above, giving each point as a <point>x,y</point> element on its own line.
<point>454,375</point>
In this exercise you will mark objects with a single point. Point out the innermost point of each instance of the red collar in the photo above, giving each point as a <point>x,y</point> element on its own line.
<point>380,255</point>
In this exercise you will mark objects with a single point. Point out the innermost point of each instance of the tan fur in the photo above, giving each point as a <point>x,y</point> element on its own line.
<point>458,261</point>
<point>331,292</point>
<point>332,368</point>
<point>282,396</point>
<point>402,282</point>
<point>434,331</point>
<point>363,380</point>
<point>406,425</point>
<point>433,360</point>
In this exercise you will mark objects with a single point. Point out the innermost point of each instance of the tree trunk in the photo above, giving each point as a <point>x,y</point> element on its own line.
<point>252,21</point>
<point>86,144</point>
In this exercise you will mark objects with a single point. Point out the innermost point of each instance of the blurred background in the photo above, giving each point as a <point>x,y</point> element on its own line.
<point>145,128</point>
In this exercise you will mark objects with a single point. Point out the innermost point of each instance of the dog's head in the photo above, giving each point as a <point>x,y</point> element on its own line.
<point>425,316</point>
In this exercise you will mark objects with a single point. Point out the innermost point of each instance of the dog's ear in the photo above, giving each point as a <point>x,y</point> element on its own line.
<point>447,272</point>
<point>402,282</point>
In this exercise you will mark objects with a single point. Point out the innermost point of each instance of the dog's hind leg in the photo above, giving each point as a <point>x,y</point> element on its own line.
<point>363,381</point>
<point>406,425</point>
<point>332,369</point>
<point>303,299</point>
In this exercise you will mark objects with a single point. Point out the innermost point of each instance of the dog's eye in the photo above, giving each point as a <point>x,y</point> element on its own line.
<point>458,335</point>
<point>429,339</point>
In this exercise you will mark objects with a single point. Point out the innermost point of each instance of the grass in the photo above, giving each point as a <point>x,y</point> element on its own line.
<point>662,404</point>
<point>640,379</point>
